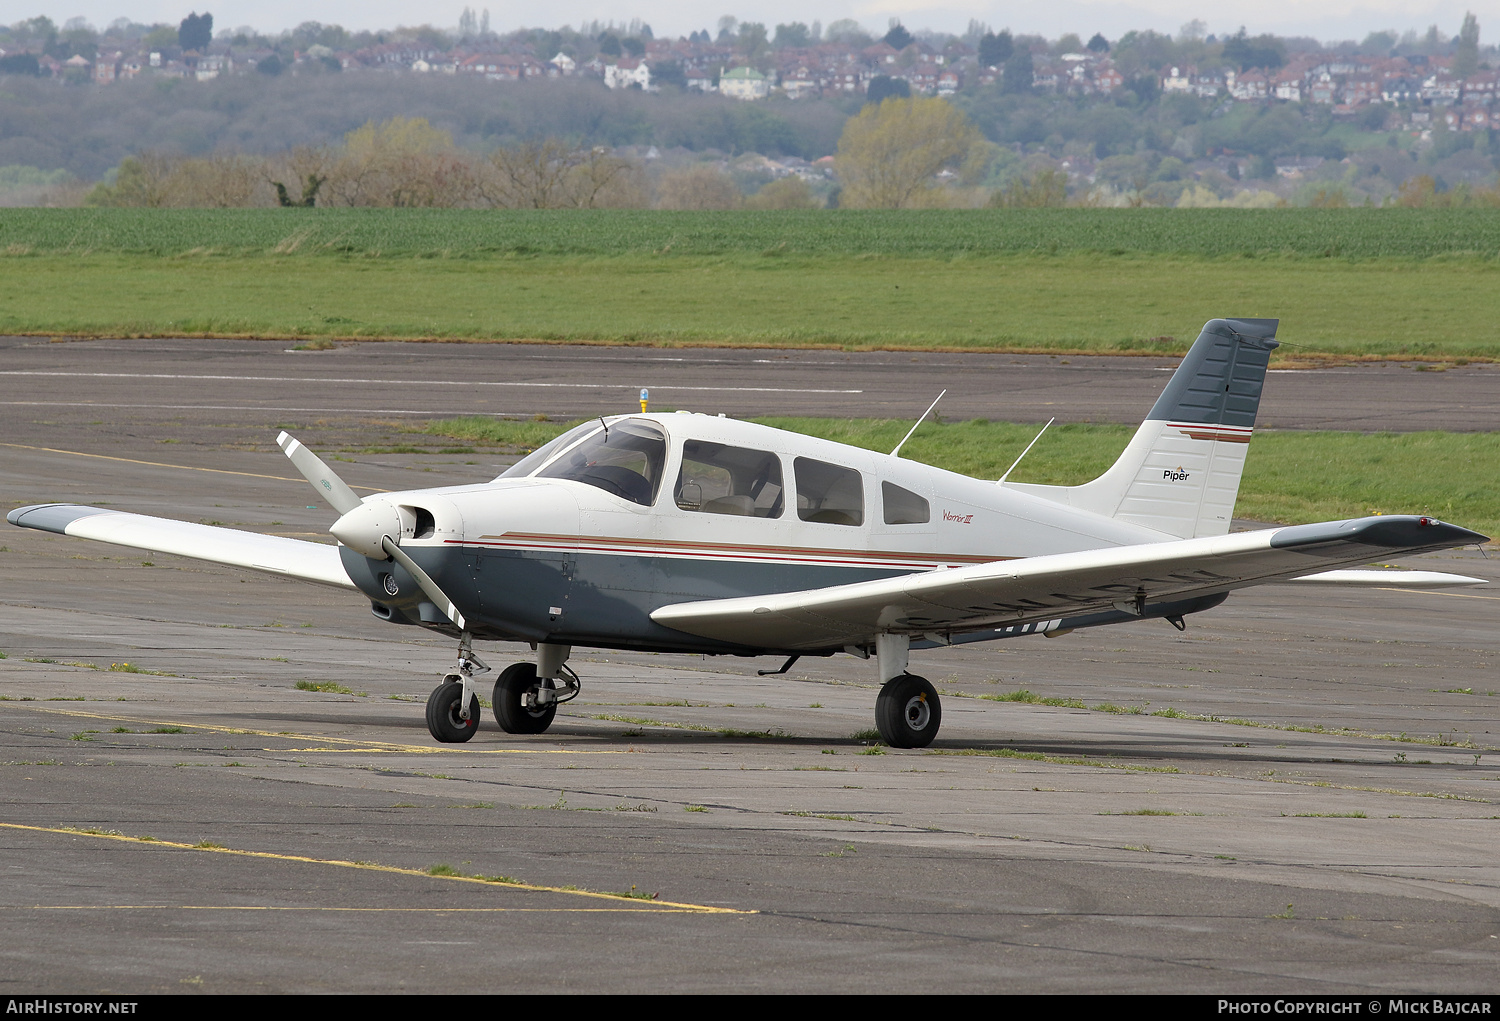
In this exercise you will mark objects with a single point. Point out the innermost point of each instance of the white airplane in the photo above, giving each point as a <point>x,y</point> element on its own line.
<point>694,533</point>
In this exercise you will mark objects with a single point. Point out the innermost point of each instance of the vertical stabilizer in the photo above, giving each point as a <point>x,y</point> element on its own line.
<point>1181,472</point>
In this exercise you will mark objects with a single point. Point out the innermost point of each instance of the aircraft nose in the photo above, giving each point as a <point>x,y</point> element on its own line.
<point>363,527</point>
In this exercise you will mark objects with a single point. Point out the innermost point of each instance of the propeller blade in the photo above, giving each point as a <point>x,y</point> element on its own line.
<point>436,594</point>
<point>328,485</point>
<point>368,530</point>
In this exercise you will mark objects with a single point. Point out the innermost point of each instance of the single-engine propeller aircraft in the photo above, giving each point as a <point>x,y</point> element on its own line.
<point>696,533</point>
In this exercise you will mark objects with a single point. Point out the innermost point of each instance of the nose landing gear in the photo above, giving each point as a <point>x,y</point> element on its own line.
<point>526,695</point>
<point>453,706</point>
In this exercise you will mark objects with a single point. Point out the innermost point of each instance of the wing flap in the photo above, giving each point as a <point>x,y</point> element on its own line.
<point>270,554</point>
<point>1013,592</point>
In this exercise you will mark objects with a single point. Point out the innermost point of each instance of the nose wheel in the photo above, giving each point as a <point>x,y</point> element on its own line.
<point>445,718</point>
<point>908,712</point>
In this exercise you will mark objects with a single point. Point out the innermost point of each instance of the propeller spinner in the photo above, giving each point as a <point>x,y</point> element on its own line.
<point>371,527</point>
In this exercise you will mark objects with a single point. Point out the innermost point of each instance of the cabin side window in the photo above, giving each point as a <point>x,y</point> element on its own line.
<point>828,493</point>
<point>903,507</point>
<point>625,460</point>
<point>719,479</point>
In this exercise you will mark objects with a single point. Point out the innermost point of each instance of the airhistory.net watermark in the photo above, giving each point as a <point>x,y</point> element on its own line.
<point>68,1005</point>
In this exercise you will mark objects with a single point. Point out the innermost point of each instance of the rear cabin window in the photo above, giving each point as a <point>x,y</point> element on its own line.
<point>624,460</point>
<point>718,479</point>
<point>903,507</point>
<point>829,494</point>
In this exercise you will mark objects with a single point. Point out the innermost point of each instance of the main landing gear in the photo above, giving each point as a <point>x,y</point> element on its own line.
<point>526,695</point>
<point>907,711</point>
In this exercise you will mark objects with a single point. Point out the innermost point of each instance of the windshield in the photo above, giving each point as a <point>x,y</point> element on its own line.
<point>624,460</point>
<point>538,457</point>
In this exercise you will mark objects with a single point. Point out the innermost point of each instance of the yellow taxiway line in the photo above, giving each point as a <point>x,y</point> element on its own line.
<point>163,464</point>
<point>626,903</point>
<point>362,745</point>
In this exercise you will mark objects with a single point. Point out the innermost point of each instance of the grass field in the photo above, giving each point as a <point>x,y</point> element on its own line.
<point>1401,283</point>
<point>1290,477</point>
<point>1354,234</point>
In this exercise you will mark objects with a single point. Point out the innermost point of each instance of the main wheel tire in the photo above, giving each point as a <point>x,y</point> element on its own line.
<point>442,713</point>
<point>511,712</point>
<point>908,712</point>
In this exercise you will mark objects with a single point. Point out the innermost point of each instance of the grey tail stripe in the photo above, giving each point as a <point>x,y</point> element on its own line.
<point>51,517</point>
<point>1220,380</point>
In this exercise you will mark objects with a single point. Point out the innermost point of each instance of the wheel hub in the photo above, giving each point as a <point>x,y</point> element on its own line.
<point>918,712</point>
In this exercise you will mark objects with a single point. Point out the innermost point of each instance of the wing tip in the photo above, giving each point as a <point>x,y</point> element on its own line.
<point>51,517</point>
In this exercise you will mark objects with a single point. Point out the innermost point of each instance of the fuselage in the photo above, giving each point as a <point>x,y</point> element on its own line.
<point>579,543</point>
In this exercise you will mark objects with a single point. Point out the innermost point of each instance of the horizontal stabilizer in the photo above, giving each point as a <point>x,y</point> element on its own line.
<point>1390,579</point>
<point>270,554</point>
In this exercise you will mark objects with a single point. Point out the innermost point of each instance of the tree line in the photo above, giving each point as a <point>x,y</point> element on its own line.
<point>901,153</point>
<point>408,162</point>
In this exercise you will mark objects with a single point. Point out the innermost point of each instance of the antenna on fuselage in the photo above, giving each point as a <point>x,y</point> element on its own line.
<point>1012,468</point>
<point>919,422</point>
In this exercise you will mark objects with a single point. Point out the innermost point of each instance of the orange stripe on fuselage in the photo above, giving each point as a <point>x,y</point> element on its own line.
<point>722,551</point>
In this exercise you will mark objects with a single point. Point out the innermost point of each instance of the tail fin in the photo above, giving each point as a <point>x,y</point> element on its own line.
<point>1181,472</point>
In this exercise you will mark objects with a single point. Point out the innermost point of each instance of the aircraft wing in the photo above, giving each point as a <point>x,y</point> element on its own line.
<point>270,554</point>
<point>1045,588</point>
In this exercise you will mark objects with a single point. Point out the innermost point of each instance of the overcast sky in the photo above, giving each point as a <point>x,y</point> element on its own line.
<point>1327,20</point>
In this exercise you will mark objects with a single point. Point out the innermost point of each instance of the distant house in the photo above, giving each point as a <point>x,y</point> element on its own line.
<point>213,65</point>
<point>1249,86</point>
<point>1323,89</point>
<point>1296,166</point>
<point>78,67</point>
<point>1359,91</point>
<point>745,83</point>
<point>1177,80</point>
<point>1441,88</point>
<point>1107,78</point>
<point>800,81</point>
<point>628,73</point>
<point>107,67</point>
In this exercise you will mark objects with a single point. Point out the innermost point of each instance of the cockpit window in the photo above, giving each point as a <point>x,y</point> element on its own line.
<point>903,507</point>
<point>828,493</point>
<point>541,455</point>
<point>718,479</point>
<point>624,460</point>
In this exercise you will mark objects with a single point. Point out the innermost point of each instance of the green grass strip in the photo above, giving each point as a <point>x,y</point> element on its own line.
<point>477,234</point>
<point>1438,308</point>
